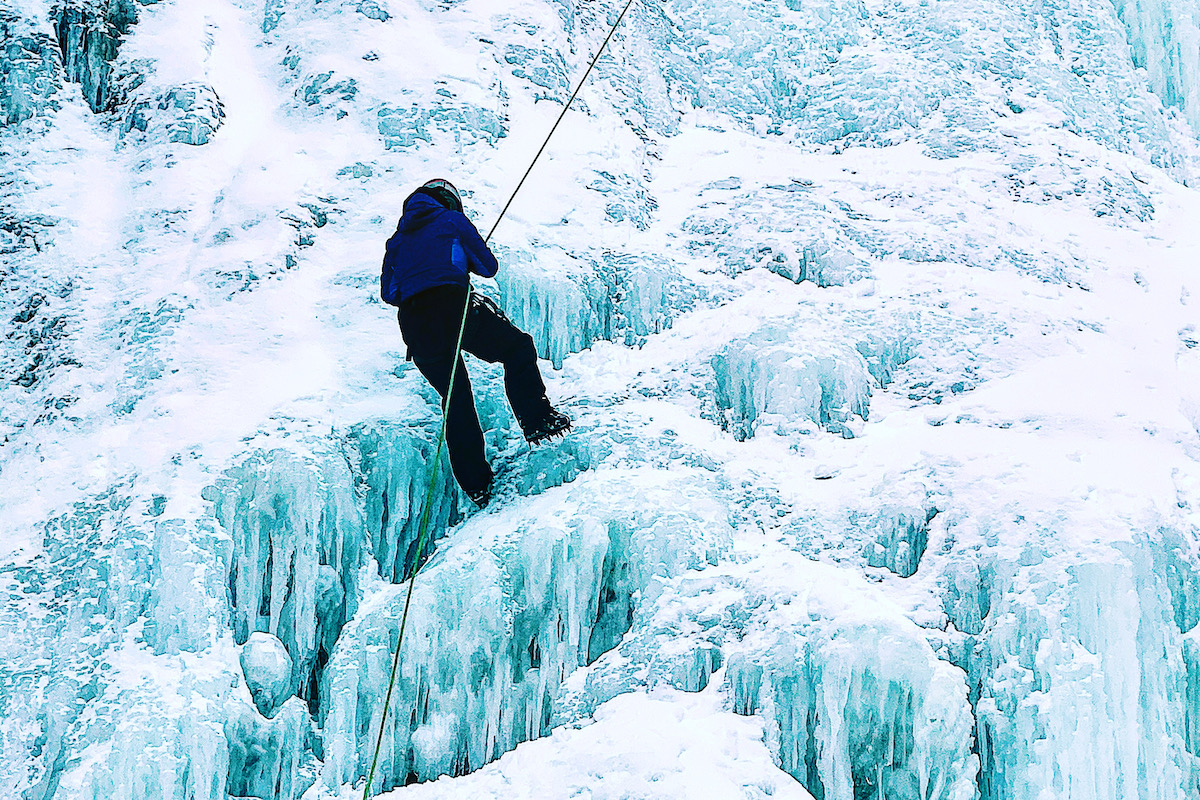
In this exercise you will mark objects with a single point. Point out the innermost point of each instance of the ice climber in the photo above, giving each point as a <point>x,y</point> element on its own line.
<point>426,274</point>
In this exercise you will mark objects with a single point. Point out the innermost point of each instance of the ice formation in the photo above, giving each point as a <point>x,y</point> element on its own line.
<point>876,319</point>
<point>268,670</point>
<point>509,616</point>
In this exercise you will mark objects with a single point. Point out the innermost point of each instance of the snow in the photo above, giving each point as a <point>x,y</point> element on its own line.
<point>876,320</point>
<point>665,745</point>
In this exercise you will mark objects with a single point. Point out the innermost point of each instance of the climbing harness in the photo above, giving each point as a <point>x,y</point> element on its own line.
<point>423,531</point>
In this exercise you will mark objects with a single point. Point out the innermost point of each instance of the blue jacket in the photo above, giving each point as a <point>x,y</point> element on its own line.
<point>432,246</point>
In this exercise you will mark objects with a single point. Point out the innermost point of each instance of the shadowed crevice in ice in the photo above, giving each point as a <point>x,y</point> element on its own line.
<point>272,758</point>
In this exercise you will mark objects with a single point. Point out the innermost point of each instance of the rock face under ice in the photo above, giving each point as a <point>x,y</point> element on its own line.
<point>268,670</point>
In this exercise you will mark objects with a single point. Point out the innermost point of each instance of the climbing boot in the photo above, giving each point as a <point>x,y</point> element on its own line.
<point>553,424</point>
<point>481,497</point>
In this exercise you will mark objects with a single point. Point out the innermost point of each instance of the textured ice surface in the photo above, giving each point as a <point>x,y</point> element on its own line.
<point>856,701</point>
<point>877,321</point>
<point>1165,40</point>
<point>518,601</point>
<point>28,74</point>
<point>268,670</point>
<point>568,302</point>
<point>807,384</point>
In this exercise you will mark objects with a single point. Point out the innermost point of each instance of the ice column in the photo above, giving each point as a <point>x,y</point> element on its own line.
<point>297,544</point>
<point>1164,38</point>
<point>799,385</point>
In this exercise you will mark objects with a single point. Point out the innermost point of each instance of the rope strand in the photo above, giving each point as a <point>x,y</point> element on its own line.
<point>423,535</point>
<point>561,114</point>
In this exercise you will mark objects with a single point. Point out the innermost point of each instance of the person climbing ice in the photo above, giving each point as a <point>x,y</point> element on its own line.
<point>426,274</point>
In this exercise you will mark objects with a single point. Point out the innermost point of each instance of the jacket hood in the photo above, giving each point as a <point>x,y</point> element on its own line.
<point>419,210</point>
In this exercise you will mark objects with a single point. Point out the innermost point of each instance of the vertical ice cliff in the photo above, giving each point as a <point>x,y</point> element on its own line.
<point>1164,39</point>
<point>876,319</point>
<point>29,77</point>
<point>89,35</point>
<point>507,620</point>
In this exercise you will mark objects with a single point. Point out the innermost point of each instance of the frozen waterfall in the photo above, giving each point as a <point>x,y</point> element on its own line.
<point>876,320</point>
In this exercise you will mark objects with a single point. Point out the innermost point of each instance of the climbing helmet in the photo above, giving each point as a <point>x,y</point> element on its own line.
<point>444,192</point>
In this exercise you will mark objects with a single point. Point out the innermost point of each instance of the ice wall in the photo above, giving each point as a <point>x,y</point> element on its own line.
<point>304,525</point>
<point>858,702</point>
<point>567,302</point>
<point>218,466</point>
<point>394,465</point>
<point>1084,687</point>
<point>518,602</point>
<point>297,551</point>
<point>271,757</point>
<point>1164,38</point>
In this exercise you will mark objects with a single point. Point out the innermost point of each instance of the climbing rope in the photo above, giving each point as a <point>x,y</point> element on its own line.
<point>423,530</point>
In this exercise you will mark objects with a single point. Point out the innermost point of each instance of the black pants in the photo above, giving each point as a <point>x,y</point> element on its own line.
<point>429,322</point>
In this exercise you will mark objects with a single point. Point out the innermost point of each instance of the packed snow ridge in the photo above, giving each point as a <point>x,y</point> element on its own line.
<point>877,320</point>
